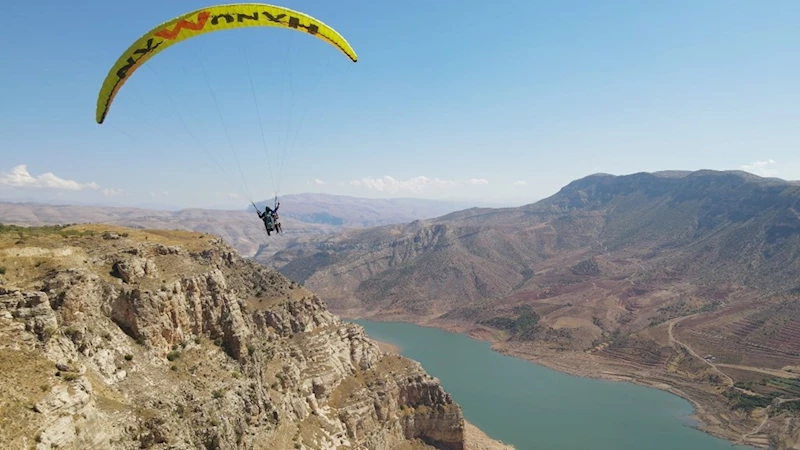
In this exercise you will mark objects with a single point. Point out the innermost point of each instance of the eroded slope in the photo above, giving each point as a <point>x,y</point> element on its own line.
<point>121,338</point>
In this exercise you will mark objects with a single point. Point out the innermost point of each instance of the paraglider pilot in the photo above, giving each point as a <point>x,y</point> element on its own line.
<point>270,218</point>
<point>276,219</point>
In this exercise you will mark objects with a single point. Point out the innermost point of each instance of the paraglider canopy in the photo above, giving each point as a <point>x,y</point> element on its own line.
<point>206,20</point>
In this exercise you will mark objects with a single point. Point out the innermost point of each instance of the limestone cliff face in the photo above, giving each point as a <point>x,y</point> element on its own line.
<point>169,340</point>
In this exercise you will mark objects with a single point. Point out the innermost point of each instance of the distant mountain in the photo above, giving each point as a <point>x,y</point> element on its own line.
<point>642,242</point>
<point>99,204</point>
<point>242,230</point>
<point>346,211</point>
<point>721,227</point>
<point>303,215</point>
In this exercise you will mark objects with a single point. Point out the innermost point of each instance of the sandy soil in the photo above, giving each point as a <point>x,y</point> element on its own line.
<point>388,348</point>
<point>478,440</point>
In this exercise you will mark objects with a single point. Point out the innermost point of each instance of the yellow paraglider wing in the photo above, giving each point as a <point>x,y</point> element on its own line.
<point>206,20</point>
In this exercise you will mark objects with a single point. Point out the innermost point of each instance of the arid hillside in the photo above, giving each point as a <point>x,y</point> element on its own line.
<point>122,338</point>
<point>680,279</point>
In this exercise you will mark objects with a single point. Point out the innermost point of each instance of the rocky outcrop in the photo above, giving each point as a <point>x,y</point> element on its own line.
<point>156,340</point>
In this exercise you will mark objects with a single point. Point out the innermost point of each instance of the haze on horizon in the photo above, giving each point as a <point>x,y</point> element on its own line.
<point>509,112</point>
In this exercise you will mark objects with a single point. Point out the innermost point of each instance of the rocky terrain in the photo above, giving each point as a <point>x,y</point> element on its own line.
<point>121,338</point>
<point>686,281</point>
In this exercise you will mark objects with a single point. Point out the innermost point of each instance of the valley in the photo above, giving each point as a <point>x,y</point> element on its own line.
<point>685,281</point>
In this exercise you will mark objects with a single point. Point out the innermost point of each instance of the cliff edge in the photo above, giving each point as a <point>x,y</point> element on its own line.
<point>127,338</point>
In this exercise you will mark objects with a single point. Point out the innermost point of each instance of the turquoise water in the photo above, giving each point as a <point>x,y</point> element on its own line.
<point>536,408</point>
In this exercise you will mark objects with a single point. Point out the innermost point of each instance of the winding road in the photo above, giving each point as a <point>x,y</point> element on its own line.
<point>730,381</point>
<point>672,339</point>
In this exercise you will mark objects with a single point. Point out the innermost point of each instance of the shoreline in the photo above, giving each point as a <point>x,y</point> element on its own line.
<point>697,413</point>
<point>700,414</point>
<point>702,420</point>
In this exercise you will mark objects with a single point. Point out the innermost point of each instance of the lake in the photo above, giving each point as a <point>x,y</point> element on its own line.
<point>536,408</point>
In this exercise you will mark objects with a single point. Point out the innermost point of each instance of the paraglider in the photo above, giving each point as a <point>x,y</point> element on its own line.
<point>206,20</point>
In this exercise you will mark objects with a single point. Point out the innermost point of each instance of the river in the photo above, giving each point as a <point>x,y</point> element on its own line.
<point>536,408</point>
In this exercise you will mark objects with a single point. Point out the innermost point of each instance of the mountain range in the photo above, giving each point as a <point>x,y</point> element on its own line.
<point>710,228</point>
<point>358,212</point>
<point>684,280</point>
<point>303,215</point>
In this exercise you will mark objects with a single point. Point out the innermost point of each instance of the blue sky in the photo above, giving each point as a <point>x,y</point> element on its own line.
<point>449,99</point>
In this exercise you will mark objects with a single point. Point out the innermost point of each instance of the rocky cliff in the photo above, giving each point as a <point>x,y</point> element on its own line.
<point>121,338</point>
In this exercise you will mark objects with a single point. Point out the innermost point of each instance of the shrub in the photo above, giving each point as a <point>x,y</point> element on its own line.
<point>69,376</point>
